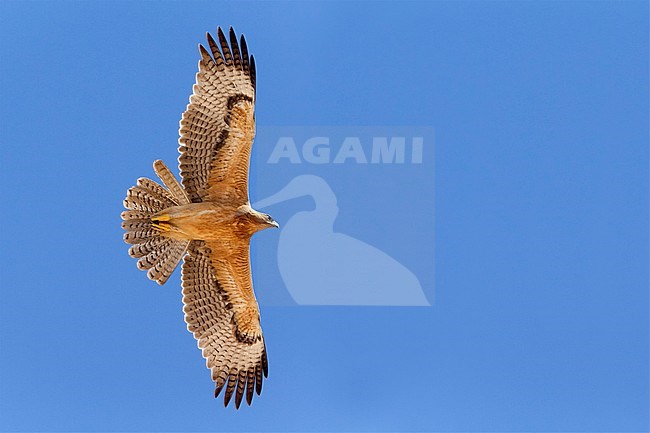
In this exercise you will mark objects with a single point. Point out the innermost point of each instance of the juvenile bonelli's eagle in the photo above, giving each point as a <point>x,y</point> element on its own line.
<point>208,221</point>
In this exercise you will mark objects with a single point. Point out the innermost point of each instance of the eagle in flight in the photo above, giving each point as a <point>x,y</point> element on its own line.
<point>207,221</point>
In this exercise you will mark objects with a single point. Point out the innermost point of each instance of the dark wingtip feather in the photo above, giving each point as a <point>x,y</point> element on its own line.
<point>220,34</point>
<point>218,58</point>
<point>204,53</point>
<point>227,56</point>
<point>253,72</point>
<point>244,53</point>
<point>234,46</point>
<point>265,363</point>
<point>241,384</point>
<point>217,391</point>
<point>258,380</point>
<point>250,385</point>
<point>230,387</point>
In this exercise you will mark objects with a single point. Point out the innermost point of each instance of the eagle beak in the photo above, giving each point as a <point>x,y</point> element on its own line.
<point>275,224</point>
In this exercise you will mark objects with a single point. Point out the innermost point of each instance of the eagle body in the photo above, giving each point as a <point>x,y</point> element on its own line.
<point>206,221</point>
<point>224,225</point>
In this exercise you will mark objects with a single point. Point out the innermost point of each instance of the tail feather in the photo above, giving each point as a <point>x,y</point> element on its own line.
<point>141,250</point>
<point>134,215</point>
<point>139,198</point>
<point>161,271</point>
<point>136,224</point>
<point>170,181</point>
<point>149,261</point>
<point>157,254</point>
<point>157,190</point>
<point>139,236</point>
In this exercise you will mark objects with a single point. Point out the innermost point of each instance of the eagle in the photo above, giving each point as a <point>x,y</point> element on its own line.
<point>207,221</point>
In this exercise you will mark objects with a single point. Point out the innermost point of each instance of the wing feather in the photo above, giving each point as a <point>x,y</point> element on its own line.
<point>218,58</point>
<point>250,385</point>
<point>244,53</point>
<point>210,313</point>
<point>241,385</point>
<point>253,73</point>
<point>235,49</point>
<point>218,127</point>
<point>258,379</point>
<point>224,46</point>
<point>230,387</point>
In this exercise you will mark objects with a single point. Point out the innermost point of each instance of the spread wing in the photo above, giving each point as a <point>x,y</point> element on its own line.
<point>218,126</point>
<point>222,313</point>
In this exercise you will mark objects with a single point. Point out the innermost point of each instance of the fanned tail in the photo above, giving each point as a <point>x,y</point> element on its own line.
<point>157,254</point>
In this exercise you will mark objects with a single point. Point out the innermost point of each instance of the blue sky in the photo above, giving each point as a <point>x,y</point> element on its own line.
<point>538,190</point>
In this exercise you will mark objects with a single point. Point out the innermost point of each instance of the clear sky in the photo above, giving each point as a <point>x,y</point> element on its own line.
<point>539,164</point>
